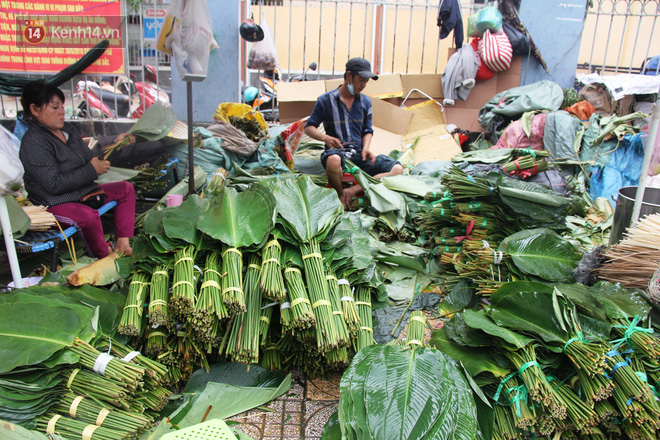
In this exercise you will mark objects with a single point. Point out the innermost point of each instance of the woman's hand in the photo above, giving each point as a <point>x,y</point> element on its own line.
<point>101,166</point>
<point>121,136</point>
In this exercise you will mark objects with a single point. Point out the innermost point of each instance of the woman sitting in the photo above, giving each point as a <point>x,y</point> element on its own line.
<point>60,171</point>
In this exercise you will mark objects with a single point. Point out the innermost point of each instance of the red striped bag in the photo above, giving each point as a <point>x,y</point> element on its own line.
<point>495,51</point>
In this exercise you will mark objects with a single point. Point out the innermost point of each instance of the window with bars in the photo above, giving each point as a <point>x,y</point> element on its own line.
<point>267,2</point>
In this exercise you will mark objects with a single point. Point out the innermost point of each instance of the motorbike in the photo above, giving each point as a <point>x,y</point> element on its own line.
<point>264,98</point>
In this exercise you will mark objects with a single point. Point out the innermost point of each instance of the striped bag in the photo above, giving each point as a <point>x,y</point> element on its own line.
<point>495,51</point>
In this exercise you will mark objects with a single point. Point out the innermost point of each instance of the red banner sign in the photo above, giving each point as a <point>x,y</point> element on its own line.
<point>49,35</point>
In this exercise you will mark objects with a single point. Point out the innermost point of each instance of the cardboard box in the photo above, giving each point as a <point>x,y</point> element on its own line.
<point>297,99</point>
<point>465,113</point>
<point>428,83</point>
<point>386,87</point>
<point>428,124</point>
<point>389,122</point>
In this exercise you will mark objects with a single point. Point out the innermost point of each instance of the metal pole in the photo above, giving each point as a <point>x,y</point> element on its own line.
<point>191,147</point>
<point>648,152</point>
<point>9,243</point>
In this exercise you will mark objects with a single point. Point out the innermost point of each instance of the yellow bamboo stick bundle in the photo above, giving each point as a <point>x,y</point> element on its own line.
<point>40,218</point>
<point>645,233</point>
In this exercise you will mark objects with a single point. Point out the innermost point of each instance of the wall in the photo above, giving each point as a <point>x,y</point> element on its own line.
<point>222,81</point>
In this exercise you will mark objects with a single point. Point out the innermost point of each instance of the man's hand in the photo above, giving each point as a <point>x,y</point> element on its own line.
<point>101,166</point>
<point>332,142</point>
<point>368,155</point>
<point>121,136</point>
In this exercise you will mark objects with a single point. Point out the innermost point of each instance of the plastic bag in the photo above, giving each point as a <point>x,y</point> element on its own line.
<point>237,110</point>
<point>11,172</point>
<point>487,18</point>
<point>520,43</point>
<point>187,34</point>
<point>495,51</point>
<point>263,54</point>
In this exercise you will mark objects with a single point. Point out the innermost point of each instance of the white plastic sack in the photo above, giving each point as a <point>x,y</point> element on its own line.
<point>263,55</point>
<point>191,39</point>
<point>11,171</point>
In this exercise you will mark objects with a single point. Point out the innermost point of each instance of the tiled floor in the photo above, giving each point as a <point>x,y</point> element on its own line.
<point>299,414</point>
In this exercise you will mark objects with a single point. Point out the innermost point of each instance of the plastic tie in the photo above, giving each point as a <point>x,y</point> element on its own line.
<point>292,269</point>
<point>159,272</point>
<point>73,409</point>
<point>418,318</point>
<point>156,302</point>
<point>220,174</point>
<point>231,249</point>
<point>343,281</point>
<point>285,305</point>
<point>273,304</point>
<point>213,271</point>
<point>210,283</point>
<point>612,353</point>
<point>178,283</point>
<point>101,417</point>
<point>501,385</point>
<point>321,302</point>
<point>101,363</point>
<point>483,223</point>
<point>273,243</point>
<point>337,312</point>
<point>353,170</point>
<point>271,260</point>
<point>330,278</point>
<point>521,395</point>
<point>368,329</point>
<point>88,431</point>
<point>525,366</point>
<point>130,356</point>
<point>630,329</point>
<point>50,429</point>
<point>183,259</point>
<point>415,341</point>
<point>265,319</point>
<point>297,301</point>
<point>569,343</point>
<point>312,255</point>
<point>254,266</point>
<point>490,193</point>
<point>346,298</point>
<point>619,365</point>
<point>232,289</point>
<point>471,179</point>
<point>362,303</point>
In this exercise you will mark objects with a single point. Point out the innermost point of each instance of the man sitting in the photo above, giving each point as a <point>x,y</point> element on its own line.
<point>346,116</point>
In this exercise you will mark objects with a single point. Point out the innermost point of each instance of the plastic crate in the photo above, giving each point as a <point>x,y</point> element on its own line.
<point>214,429</point>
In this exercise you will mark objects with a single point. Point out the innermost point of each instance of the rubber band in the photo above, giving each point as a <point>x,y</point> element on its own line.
<point>343,281</point>
<point>88,431</point>
<point>210,283</point>
<point>501,385</point>
<point>273,242</point>
<point>321,302</point>
<point>50,429</point>
<point>569,342</point>
<point>73,409</point>
<point>297,301</point>
<point>157,302</point>
<point>292,269</point>
<point>101,417</point>
<point>232,289</point>
<point>101,363</point>
<point>517,164</point>
<point>369,329</point>
<point>330,278</point>
<point>312,255</point>
<point>337,312</point>
<point>273,304</point>
<point>353,170</point>
<point>286,305</point>
<point>471,179</point>
<point>221,175</point>
<point>130,356</point>
<point>612,353</point>
<point>271,260</point>
<point>346,298</point>
<point>629,402</point>
<point>415,341</point>
<point>265,319</point>
<point>159,272</point>
<point>525,366</point>
<point>213,271</point>
<point>178,283</point>
<point>418,318</point>
<point>362,303</point>
<point>183,259</point>
<point>254,266</point>
<point>232,249</point>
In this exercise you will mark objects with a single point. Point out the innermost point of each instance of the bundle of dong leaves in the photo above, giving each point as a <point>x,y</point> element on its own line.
<point>561,361</point>
<point>263,276</point>
<point>60,374</point>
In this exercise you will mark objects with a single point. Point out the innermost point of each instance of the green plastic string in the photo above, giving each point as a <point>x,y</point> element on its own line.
<point>522,369</point>
<point>530,152</point>
<point>569,342</point>
<point>483,223</point>
<point>521,395</point>
<point>501,385</point>
<point>630,329</point>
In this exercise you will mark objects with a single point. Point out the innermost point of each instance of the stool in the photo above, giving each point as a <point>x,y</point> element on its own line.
<point>35,241</point>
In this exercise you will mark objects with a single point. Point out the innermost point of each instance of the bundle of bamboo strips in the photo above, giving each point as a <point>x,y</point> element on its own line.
<point>634,261</point>
<point>40,219</point>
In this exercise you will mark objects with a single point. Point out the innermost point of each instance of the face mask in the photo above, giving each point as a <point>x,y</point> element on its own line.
<point>350,89</point>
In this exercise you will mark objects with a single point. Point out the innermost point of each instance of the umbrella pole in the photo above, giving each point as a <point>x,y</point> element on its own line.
<point>191,147</point>
<point>9,243</point>
<point>648,153</point>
